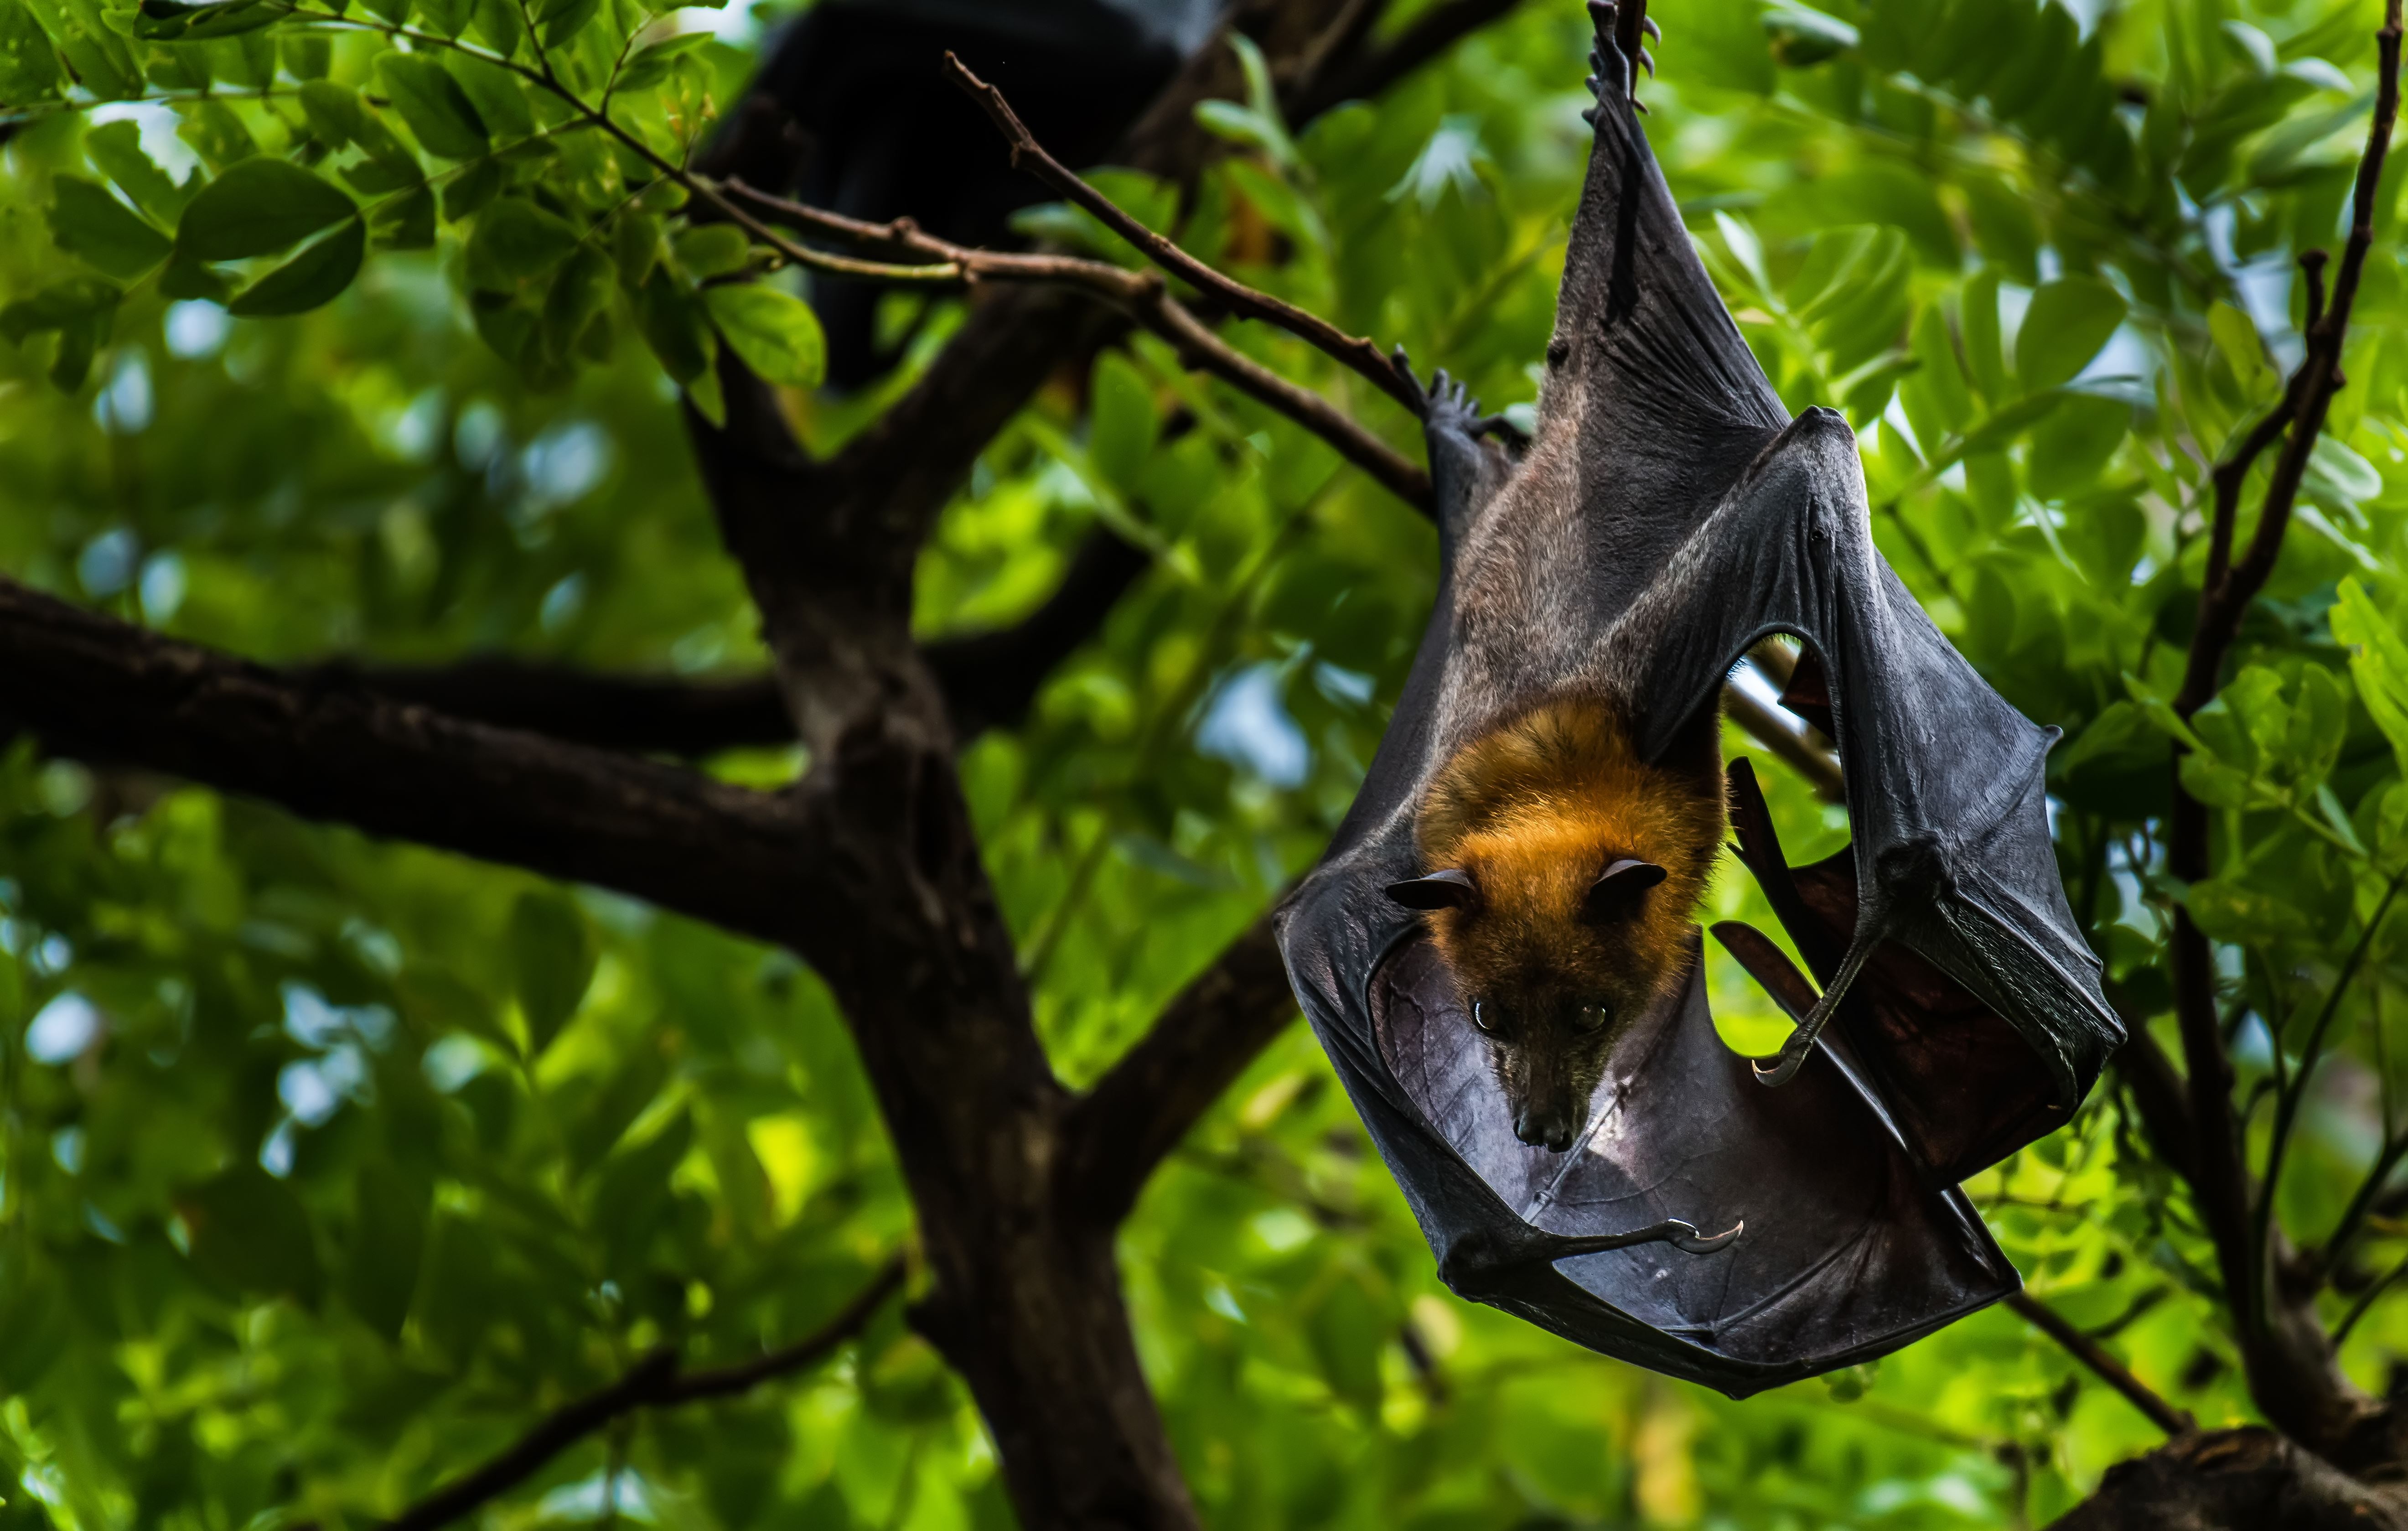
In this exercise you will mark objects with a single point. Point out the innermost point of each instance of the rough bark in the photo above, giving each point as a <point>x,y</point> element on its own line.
<point>2250,1480</point>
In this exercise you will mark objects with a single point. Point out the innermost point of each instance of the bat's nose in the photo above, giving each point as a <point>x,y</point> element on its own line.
<point>1540,1129</point>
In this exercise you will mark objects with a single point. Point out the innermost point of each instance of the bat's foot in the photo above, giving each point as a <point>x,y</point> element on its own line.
<point>1446,404</point>
<point>1709,1243</point>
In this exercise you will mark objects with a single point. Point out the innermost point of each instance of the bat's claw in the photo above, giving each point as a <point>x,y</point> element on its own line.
<point>1786,1063</point>
<point>1696,1243</point>
<point>1446,403</point>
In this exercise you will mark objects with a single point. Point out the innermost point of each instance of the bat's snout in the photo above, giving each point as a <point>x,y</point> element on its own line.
<point>1550,1129</point>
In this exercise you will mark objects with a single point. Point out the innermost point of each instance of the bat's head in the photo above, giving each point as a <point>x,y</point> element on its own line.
<point>1554,957</point>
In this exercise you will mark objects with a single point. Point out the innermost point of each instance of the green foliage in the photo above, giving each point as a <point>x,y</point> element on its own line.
<point>330,1165</point>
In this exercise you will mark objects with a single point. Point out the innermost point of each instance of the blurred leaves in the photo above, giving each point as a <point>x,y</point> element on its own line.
<point>368,1156</point>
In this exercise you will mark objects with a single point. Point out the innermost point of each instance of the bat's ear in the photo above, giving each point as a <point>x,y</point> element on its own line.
<point>1447,889</point>
<point>1619,884</point>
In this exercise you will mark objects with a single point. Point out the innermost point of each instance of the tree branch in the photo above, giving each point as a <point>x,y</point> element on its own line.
<point>663,714</point>
<point>1366,71</point>
<point>653,1382</point>
<point>988,679</point>
<point>1353,350</point>
<point>1145,298</point>
<point>2290,1365</point>
<point>336,751</point>
<point>1136,1114</point>
<point>2165,1416</point>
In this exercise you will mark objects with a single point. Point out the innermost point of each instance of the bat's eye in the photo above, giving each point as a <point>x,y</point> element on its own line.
<point>1484,1015</point>
<point>1591,1017</point>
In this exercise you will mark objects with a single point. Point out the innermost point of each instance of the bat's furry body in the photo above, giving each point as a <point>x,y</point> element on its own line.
<point>1532,812</point>
<point>1557,731</point>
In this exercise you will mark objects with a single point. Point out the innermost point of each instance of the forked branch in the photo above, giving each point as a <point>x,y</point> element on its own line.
<point>2165,1416</point>
<point>653,1382</point>
<point>1354,350</point>
<point>2290,1365</point>
<point>1141,295</point>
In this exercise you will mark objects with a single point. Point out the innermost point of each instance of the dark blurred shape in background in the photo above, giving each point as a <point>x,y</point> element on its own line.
<point>874,130</point>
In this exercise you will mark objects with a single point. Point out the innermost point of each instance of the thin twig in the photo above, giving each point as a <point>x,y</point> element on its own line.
<point>2365,1303</point>
<point>1142,294</point>
<point>1354,350</point>
<point>653,1382</point>
<point>1145,298</point>
<point>2286,1105</point>
<point>1818,766</point>
<point>2165,1416</point>
<point>2353,1217</point>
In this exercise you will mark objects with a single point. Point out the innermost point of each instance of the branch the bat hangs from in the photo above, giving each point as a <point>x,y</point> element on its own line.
<point>1499,950</point>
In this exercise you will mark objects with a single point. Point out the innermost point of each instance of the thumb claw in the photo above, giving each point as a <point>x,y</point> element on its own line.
<point>1696,1243</point>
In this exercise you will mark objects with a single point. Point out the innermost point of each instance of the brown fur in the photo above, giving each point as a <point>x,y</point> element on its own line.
<point>1533,811</point>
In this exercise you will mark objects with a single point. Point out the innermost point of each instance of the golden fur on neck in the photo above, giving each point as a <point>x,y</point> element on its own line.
<point>1533,812</point>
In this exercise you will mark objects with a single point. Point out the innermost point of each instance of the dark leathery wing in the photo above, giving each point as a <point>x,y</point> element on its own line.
<point>1692,517</point>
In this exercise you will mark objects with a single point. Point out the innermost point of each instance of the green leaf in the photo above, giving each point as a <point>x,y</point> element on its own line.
<point>651,66</point>
<point>712,250</point>
<point>2067,322</point>
<point>257,208</point>
<point>185,277</point>
<point>116,147</point>
<point>1802,38</point>
<point>59,306</point>
<point>80,313</point>
<point>29,64</point>
<point>636,245</point>
<point>407,222</point>
<point>703,390</point>
<point>2246,915</point>
<point>553,952</point>
<point>513,241</point>
<point>1123,421</point>
<point>438,110</point>
<point>2236,338</point>
<point>95,53</point>
<point>309,280</point>
<point>500,24</point>
<point>2378,662</point>
<point>387,1246</point>
<point>776,335</point>
<point>1978,322</point>
<point>680,335</point>
<point>578,292</point>
<point>2074,441</point>
<point>615,1106</point>
<point>562,22</point>
<point>87,221</point>
<point>217,134</point>
<point>334,111</point>
<point>165,21</point>
<point>474,189</point>
<point>447,18</point>
<point>249,1230</point>
<point>500,100</point>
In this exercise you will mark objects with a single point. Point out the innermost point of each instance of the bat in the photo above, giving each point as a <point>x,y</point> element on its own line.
<point>1498,950</point>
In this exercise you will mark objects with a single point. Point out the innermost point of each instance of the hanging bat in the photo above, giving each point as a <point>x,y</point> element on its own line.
<point>1499,952</point>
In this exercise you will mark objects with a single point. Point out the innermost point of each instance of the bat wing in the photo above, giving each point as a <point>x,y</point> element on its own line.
<point>1825,1245</point>
<point>1947,906</point>
<point>1708,1227</point>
